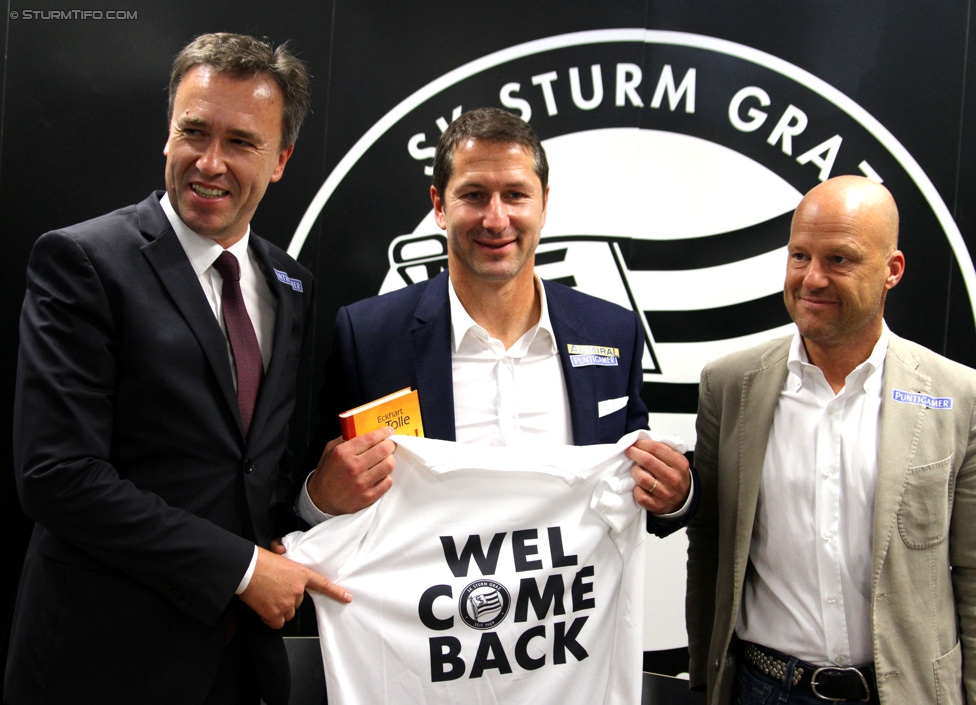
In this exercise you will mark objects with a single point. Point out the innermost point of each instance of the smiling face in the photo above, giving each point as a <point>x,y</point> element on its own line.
<point>224,148</point>
<point>493,209</point>
<point>842,262</point>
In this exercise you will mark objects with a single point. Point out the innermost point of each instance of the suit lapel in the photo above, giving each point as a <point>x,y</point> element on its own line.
<point>287,308</point>
<point>580,381</point>
<point>166,256</point>
<point>430,335</point>
<point>761,389</point>
<point>897,439</point>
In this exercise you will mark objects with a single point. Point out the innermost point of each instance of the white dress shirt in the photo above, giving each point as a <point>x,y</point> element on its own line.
<point>508,397</point>
<point>808,587</point>
<point>258,299</point>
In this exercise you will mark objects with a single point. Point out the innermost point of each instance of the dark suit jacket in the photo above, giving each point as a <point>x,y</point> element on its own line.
<point>130,458</point>
<point>403,338</point>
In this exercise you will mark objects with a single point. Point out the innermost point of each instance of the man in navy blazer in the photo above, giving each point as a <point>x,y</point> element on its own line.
<point>156,496</point>
<point>575,359</point>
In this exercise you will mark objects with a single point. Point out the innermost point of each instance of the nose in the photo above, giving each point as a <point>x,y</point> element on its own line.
<point>495,215</point>
<point>211,159</point>
<point>814,278</point>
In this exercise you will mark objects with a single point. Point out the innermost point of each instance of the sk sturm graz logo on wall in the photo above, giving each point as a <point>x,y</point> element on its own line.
<point>676,163</point>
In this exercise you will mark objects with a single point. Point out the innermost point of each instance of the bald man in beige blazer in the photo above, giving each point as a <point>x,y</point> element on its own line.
<point>764,618</point>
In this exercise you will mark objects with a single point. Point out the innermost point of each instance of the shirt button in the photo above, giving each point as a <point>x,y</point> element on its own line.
<point>831,599</point>
<point>825,536</point>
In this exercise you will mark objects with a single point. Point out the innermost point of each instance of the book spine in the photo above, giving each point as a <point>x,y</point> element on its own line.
<point>347,425</point>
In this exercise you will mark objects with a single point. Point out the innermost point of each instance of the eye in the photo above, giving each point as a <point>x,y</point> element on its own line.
<point>839,259</point>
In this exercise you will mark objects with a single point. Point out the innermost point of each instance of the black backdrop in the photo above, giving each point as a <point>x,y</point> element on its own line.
<point>83,126</point>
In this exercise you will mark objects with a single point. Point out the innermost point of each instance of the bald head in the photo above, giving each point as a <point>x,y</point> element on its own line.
<point>857,201</point>
<point>843,260</point>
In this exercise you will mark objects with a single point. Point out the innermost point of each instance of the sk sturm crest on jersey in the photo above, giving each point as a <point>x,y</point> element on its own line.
<point>483,604</point>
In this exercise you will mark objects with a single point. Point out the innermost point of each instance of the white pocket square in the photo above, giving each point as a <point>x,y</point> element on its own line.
<point>608,406</point>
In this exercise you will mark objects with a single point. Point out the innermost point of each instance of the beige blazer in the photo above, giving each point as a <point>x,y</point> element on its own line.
<point>924,544</point>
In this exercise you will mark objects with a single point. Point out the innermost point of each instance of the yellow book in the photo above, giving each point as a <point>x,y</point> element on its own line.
<point>400,411</point>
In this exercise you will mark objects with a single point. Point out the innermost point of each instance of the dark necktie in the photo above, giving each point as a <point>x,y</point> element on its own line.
<point>243,341</point>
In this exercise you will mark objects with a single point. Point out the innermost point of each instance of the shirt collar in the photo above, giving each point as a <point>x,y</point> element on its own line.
<point>867,375</point>
<point>462,324</point>
<point>201,251</point>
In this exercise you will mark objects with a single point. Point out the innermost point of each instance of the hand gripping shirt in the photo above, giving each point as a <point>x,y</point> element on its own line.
<point>486,576</point>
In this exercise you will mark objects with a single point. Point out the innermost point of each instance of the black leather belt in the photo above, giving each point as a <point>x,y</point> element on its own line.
<point>831,683</point>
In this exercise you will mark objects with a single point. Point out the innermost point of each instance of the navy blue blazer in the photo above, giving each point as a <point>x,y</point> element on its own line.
<point>403,339</point>
<point>131,459</point>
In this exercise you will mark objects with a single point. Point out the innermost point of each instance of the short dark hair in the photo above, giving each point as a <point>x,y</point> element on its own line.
<point>246,57</point>
<point>491,125</point>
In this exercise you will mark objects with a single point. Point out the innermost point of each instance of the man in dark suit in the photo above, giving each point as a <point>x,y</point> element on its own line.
<point>498,356</point>
<point>149,444</point>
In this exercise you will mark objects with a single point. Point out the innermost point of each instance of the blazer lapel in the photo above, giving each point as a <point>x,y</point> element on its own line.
<point>287,308</point>
<point>166,256</point>
<point>580,381</point>
<point>760,395</point>
<point>897,439</point>
<point>431,339</point>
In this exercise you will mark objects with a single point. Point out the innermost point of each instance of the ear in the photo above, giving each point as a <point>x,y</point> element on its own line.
<point>439,216</point>
<point>283,157</point>
<point>896,268</point>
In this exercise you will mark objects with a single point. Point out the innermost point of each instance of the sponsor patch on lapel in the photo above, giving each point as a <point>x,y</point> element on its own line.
<point>295,284</point>
<point>586,355</point>
<point>921,399</point>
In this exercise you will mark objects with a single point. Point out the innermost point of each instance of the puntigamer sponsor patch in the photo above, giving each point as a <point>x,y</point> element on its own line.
<point>585,355</point>
<point>283,277</point>
<point>921,399</point>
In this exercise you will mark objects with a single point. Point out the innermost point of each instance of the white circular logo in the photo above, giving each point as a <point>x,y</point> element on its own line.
<point>484,604</point>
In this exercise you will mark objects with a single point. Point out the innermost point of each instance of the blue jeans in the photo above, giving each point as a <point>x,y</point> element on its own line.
<point>756,688</point>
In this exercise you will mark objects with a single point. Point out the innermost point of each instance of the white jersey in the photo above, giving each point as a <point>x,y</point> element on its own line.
<point>486,576</point>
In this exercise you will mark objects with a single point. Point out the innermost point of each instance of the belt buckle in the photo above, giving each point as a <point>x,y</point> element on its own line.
<point>848,669</point>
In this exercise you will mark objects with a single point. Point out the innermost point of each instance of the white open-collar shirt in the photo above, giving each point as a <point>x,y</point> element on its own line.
<point>808,587</point>
<point>508,397</point>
